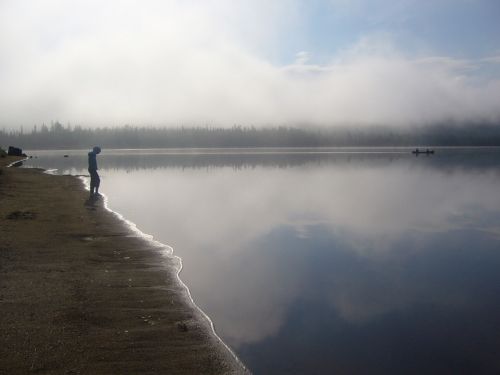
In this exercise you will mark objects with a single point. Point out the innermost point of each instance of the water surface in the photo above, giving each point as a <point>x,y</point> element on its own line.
<point>326,261</point>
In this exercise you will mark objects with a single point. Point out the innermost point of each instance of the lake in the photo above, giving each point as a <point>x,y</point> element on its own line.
<point>322,261</point>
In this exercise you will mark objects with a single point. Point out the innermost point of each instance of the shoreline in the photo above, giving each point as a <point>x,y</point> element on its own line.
<point>83,290</point>
<point>161,248</point>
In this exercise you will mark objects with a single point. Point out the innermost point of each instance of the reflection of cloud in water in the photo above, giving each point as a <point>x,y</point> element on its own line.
<point>452,270</point>
<point>221,207</point>
<point>219,222</point>
<point>249,295</point>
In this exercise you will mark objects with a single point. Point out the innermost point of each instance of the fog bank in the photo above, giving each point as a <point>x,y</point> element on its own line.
<point>175,63</point>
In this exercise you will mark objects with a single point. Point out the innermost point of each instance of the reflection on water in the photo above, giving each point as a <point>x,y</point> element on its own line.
<point>343,261</point>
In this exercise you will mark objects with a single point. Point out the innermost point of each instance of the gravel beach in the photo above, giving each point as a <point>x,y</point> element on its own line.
<point>81,293</point>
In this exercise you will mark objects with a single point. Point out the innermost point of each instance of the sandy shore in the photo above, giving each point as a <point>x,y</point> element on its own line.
<point>80,293</point>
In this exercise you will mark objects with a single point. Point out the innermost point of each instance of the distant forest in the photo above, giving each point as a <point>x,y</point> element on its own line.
<point>57,136</point>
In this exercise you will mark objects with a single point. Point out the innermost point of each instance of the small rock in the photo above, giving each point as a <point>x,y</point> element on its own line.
<point>182,327</point>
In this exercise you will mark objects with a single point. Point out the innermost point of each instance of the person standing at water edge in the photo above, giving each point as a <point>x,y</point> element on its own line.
<point>95,181</point>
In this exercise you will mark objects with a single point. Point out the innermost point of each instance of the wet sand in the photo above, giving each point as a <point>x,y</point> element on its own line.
<point>81,293</point>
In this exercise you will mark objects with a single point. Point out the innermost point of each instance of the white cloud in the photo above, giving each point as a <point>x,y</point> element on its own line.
<point>175,62</point>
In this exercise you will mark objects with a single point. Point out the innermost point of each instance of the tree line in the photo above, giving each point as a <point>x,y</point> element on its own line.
<point>58,136</point>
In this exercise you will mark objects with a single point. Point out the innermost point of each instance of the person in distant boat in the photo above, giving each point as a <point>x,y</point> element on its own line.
<point>95,181</point>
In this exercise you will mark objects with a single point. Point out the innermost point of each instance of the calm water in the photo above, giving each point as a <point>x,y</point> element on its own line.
<point>340,261</point>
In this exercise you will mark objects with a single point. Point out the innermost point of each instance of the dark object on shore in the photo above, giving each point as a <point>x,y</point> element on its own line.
<point>426,152</point>
<point>181,326</point>
<point>21,215</point>
<point>66,156</point>
<point>17,164</point>
<point>15,151</point>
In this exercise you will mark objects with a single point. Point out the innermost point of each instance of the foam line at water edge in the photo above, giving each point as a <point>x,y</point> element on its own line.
<point>167,251</point>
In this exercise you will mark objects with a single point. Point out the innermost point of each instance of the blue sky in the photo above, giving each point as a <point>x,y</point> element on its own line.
<point>454,28</point>
<point>255,62</point>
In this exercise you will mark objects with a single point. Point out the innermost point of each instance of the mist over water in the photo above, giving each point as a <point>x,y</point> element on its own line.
<point>252,62</point>
<point>337,261</point>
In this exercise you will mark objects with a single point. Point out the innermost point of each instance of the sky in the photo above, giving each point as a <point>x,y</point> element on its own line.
<point>249,62</point>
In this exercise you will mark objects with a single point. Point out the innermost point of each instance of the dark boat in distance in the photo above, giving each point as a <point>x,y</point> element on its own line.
<point>426,152</point>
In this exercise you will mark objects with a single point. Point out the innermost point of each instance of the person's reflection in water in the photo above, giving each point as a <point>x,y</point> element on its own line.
<point>95,181</point>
